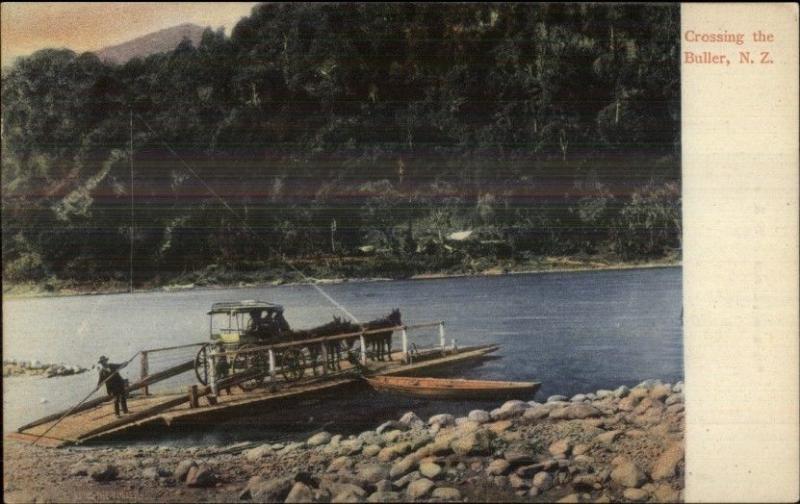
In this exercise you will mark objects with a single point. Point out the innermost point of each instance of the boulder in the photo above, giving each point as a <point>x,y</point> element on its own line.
<point>581,411</point>
<point>371,450</point>
<point>371,437</point>
<point>104,472</point>
<point>444,494</point>
<point>649,384</point>
<point>674,399</point>
<point>570,499</point>
<point>678,387</point>
<point>665,493</point>
<point>319,439</point>
<point>604,393</point>
<point>628,474</point>
<point>351,446</point>
<point>201,476</point>
<point>578,398</point>
<point>664,467</point>
<point>442,419</point>
<point>267,490</point>
<point>542,480</point>
<point>516,482</point>
<point>497,467</point>
<point>660,392</point>
<point>419,488</point>
<point>407,479</point>
<point>556,398</point>
<point>430,470</point>
<point>391,436</point>
<point>479,416</point>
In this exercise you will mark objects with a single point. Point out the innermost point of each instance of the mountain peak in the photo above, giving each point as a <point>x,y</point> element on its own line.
<point>152,43</point>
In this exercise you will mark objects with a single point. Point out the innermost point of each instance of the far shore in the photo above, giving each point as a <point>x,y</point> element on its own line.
<point>550,265</point>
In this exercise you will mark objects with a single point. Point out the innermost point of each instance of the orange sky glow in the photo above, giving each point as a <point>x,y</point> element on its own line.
<point>28,27</point>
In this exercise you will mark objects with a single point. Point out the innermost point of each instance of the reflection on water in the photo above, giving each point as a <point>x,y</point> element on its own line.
<point>574,332</point>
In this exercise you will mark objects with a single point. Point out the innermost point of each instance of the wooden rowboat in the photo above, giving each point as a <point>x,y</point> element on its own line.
<point>448,388</point>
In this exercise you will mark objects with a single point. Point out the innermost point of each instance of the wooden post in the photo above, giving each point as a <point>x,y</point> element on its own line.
<point>193,400</point>
<point>441,335</point>
<point>363,349</point>
<point>405,344</point>
<point>144,371</point>
<point>271,364</point>
<point>324,354</point>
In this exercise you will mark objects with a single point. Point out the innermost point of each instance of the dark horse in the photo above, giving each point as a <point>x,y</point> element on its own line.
<point>381,342</point>
<point>336,326</point>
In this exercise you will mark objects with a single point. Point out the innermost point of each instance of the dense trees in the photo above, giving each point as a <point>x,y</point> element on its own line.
<point>552,128</point>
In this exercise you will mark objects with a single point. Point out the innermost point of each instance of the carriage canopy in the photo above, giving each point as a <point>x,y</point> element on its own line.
<point>230,321</point>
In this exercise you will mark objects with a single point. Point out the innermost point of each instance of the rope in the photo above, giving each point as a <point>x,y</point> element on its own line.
<point>247,227</point>
<point>85,398</point>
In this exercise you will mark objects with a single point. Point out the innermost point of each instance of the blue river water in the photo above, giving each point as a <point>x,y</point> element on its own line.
<point>574,332</point>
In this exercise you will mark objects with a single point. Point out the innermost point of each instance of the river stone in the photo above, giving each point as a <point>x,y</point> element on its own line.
<point>479,416</point>
<point>664,467</point>
<point>578,398</point>
<point>150,473</point>
<point>556,398</point>
<point>183,469</point>
<point>649,384</point>
<point>635,494</point>
<point>559,448</point>
<point>430,470</point>
<point>371,450</point>
<point>608,437</point>
<point>391,425</point>
<point>580,449</point>
<point>542,480</point>
<point>497,467</point>
<point>674,399</point>
<point>517,458</point>
<point>660,392</point>
<point>372,473</point>
<point>442,419</point>
<point>628,474</point>
<point>474,443</point>
<point>340,463</point>
<point>665,493</point>
<point>300,492</point>
<point>419,488</point>
<point>371,437</point>
<point>621,391</point>
<point>383,485</point>
<point>319,439</point>
<point>408,478</point>
<point>346,496</point>
<point>536,413</point>
<point>384,496</point>
<point>510,409</point>
<point>351,446</point>
<point>201,476</point>
<point>410,419</point>
<point>678,387</point>
<point>580,411</point>
<point>444,494</point>
<point>604,393</point>
<point>584,482</point>
<point>257,453</point>
<point>403,466</point>
<point>391,436</point>
<point>79,469</point>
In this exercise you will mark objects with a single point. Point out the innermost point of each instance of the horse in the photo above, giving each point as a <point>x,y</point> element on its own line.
<point>336,326</point>
<point>381,342</point>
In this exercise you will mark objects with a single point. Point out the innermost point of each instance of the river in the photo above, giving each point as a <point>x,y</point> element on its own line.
<point>574,332</point>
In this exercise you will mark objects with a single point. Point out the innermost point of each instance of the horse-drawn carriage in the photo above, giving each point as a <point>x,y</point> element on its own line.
<point>254,337</point>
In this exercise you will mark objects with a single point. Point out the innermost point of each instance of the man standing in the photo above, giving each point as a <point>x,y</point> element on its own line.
<point>115,386</point>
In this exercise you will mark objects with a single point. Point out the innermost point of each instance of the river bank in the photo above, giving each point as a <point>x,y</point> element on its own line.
<point>609,445</point>
<point>330,274</point>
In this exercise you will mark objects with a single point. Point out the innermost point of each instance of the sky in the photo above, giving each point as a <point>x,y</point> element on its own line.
<point>26,27</point>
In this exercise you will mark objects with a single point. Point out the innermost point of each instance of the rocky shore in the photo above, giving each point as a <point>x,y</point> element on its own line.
<point>623,445</point>
<point>36,368</point>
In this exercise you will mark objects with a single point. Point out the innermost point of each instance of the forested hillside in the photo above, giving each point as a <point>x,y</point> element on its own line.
<point>373,131</point>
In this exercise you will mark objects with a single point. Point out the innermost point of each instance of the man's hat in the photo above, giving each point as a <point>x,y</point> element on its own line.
<point>103,359</point>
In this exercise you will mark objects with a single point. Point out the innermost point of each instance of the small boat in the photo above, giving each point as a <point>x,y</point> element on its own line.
<point>450,388</point>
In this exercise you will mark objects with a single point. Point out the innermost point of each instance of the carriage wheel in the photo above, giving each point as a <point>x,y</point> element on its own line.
<point>201,364</point>
<point>293,364</point>
<point>249,362</point>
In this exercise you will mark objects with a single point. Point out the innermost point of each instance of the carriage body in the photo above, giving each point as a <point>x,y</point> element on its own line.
<point>246,322</point>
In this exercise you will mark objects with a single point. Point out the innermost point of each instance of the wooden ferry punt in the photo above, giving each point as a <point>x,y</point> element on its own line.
<point>446,388</point>
<point>95,420</point>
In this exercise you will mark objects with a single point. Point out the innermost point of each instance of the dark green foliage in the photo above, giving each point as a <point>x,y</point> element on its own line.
<point>549,129</point>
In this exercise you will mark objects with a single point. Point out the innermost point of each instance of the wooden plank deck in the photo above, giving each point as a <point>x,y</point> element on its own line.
<point>100,421</point>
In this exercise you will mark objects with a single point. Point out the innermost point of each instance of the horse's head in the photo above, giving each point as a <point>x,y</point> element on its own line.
<point>394,317</point>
